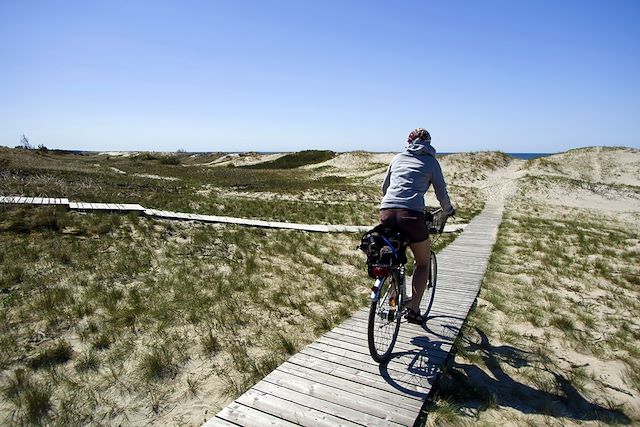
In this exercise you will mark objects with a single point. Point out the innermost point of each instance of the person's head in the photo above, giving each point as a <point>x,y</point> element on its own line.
<point>419,134</point>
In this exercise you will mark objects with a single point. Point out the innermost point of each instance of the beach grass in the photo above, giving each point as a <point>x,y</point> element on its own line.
<point>568,353</point>
<point>124,307</point>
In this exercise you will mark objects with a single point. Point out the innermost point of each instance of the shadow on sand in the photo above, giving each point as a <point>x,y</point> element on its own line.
<point>474,389</point>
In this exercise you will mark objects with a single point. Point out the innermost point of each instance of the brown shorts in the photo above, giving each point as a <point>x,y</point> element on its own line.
<point>412,223</point>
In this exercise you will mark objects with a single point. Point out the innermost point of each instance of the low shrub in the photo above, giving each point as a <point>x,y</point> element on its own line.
<point>169,160</point>
<point>295,160</point>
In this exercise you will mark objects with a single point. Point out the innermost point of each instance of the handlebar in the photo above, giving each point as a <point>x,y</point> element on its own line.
<point>436,220</point>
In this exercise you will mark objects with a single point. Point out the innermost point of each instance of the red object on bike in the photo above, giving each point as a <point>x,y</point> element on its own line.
<point>379,271</point>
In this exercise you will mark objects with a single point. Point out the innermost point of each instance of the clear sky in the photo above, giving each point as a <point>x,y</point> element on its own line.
<point>276,75</point>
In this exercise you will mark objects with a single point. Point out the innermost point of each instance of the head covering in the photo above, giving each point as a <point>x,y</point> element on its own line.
<point>420,135</point>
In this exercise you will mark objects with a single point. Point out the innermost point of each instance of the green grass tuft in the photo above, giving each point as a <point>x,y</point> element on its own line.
<point>295,160</point>
<point>158,364</point>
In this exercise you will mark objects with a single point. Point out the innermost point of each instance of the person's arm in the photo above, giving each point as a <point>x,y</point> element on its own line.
<point>440,187</point>
<point>386,181</point>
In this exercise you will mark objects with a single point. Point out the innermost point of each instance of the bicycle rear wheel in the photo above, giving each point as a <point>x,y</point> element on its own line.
<point>384,320</point>
<point>430,291</point>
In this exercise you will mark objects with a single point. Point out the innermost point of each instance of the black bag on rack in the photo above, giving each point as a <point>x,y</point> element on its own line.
<point>384,245</point>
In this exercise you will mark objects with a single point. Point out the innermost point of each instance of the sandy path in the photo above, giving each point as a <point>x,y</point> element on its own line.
<point>502,183</point>
<point>596,167</point>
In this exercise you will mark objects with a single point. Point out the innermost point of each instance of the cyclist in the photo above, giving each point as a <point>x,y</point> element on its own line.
<point>408,178</point>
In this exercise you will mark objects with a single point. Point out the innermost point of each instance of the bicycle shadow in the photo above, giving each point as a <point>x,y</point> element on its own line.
<point>414,371</point>
<point>443,326</point>
<point>476,389</point>
<point>424,363</point>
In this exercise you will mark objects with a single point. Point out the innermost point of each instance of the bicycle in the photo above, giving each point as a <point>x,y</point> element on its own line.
<point>386,259</point>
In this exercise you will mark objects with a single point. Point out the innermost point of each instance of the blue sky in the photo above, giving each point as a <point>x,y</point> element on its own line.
<point>516,76</point>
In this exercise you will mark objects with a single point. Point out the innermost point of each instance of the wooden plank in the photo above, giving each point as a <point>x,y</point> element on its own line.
<point>356,372</point>
<point>407,331</point>
<point>342,398</point>
<point>352,337</point>
<point>395,366</point>
<point>219,422</point>
<point>401,376</point>
<point>347,415</point>
<point>288,410</point>
<point>355,387</point>
<point>435,351</point>
<point>133,207</point>
<point>238,414</point>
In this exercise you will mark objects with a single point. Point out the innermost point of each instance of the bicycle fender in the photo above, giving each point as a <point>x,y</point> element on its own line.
<point>375,291</point>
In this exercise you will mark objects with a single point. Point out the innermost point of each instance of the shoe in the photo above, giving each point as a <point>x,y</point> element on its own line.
<point>414,317</point>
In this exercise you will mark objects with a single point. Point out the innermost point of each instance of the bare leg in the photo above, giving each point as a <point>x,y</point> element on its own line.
<point>421,253</point>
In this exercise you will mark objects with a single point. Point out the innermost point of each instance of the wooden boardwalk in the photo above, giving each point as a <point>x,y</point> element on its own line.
<point>183,216</point>
<point>334,381</point>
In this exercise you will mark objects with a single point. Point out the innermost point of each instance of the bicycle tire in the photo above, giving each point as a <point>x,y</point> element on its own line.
<point>430,291</point>
<point>382,328</point>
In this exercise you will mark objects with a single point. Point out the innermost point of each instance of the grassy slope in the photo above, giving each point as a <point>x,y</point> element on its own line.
<point>91,178</point>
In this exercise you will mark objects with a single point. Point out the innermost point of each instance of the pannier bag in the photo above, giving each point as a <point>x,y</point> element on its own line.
<point>383,245</point>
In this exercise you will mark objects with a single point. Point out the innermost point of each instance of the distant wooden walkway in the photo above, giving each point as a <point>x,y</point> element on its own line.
<point>131,207</point>
<point>334,381</point>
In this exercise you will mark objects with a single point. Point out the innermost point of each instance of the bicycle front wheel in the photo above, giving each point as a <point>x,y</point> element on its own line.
<point>430,291</point>
<point>384,320</point>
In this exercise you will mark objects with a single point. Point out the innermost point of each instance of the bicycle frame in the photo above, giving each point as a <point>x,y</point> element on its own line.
<point>379,283</point>
<point>375,290</point>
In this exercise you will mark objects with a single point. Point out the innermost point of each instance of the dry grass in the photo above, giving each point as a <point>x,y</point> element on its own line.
<point>91,309</point>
